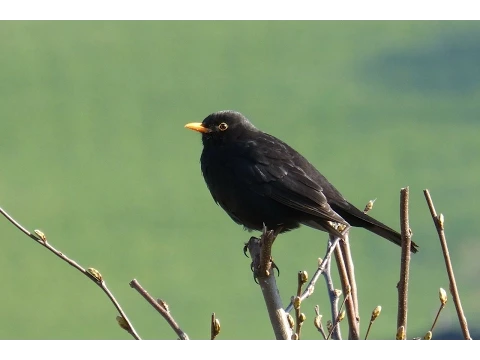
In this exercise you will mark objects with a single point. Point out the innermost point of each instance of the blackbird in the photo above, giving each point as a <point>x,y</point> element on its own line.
<point>260,180</point>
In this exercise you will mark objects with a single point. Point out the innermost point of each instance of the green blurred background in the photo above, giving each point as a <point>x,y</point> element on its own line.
<point>94,153</point>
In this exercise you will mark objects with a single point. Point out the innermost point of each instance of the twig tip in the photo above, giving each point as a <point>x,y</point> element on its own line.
<point>215,327</point>
<point>376,313</point>
<point>442,294</point>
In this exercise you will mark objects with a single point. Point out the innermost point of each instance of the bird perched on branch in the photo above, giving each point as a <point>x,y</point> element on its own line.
<point>258,179</point>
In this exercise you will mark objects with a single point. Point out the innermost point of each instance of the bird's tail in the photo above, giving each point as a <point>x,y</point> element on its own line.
<point>389,234</point>
<point>358,218</point>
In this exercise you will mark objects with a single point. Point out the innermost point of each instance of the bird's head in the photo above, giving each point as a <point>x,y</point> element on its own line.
<point>222,126</point>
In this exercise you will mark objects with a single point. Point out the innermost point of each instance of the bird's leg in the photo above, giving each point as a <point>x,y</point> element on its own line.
<point>252,267</point>
<point>261,252</point>
<point>268,237</point>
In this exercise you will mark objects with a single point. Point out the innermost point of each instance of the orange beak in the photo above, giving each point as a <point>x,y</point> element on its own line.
<point>198,127</point>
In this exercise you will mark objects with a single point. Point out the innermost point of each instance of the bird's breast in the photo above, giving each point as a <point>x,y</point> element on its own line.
<point>240,185</point>
<point>218,173</point>
<point>224,186</point>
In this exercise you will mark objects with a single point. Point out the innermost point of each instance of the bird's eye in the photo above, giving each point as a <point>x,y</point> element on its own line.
<point>223,126</point>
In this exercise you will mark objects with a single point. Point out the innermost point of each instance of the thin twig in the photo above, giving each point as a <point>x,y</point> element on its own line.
<point>260,252</point>
<point>404,263</point>
<point>333,294</point>
<point>317,321</point>
<point>340,316</point>
<point>297,302</point>
<point>93,274</point>
<point>214,327</point>
<point>346,288</point>
<point>302,278</point>
<point>375,313</point>
<point>161,308</point>
<point>436,317</point>
<point>439,224</point>
<point>352,304</point>
<point>321,267</point>
<point>442,294</point>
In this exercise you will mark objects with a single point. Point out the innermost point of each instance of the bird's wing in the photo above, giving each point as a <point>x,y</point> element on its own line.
<point>274,171</point>
<point>295,189</point>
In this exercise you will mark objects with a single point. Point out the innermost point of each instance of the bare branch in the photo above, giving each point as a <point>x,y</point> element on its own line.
<point>344,280</point>
<point>161,307</point>
<point>333,294</point>
<point>404,263</point>
<point>321,267</point>
<point>438,220</point>
<point>260,252</point>
<point>338,319</point>
<point>91,273</point>
<point>301,280</point>
<point>350,290</point>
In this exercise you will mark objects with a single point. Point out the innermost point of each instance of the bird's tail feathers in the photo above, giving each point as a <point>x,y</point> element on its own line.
<point>356,217</point>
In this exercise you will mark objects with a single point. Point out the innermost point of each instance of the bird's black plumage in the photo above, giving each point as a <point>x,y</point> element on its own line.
<point>258,179</point>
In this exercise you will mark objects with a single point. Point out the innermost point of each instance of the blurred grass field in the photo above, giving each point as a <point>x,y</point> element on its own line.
<point>94,153</point>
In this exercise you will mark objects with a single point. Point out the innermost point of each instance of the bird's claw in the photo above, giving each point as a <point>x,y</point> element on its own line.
<point>245,248</point>
<point>255,270</point>
<point>274,266</point>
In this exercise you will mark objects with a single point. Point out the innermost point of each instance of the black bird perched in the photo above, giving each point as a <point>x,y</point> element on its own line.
<point>258,179</point>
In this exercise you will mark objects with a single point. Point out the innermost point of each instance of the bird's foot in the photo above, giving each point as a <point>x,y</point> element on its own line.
<point>260,252</point>
<point>257,271</point>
